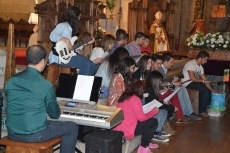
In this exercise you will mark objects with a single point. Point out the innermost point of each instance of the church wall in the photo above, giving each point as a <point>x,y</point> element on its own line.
<point>16,9</point>
<point>183,18</point>
<point>210,22</point>
<point>183,21</point>
<point>124,24</point>
<point>120,19</point>
<point>186,8</point>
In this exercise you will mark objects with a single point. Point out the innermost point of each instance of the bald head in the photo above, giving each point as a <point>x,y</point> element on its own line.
<point>35,54</point>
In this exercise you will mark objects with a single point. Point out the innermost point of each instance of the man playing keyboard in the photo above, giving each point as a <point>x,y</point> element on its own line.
<point>30,98</point>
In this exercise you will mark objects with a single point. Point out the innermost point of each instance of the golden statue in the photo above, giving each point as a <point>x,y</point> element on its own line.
<point>157,30</point>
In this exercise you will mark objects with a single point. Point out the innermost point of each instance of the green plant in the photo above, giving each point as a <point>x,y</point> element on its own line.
<point>111,4</point>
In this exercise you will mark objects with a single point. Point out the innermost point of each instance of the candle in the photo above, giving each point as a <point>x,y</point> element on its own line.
<point>36,1</point>
<point>91,9</point>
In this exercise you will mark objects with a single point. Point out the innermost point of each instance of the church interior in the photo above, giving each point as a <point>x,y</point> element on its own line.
<point>29,22</point>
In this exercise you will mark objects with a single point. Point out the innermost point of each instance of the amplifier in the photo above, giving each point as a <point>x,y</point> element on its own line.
<point>104,141</point>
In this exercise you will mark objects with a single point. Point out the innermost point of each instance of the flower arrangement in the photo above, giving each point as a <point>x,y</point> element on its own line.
<point>216,41</point>
<point>197,40</point>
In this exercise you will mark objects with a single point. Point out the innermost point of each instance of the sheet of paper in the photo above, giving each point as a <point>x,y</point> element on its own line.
<point>170,96</point>
<point>148,107</point>
<point>163,92</point>
<point>136,68</point>
<point>137,59</point>
<point>83,87</point>
<point>105,54</point>
<point>145,95</point>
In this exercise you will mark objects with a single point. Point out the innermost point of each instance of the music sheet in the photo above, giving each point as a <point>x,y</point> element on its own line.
<point>83,87</point>
<point>105,54</point>
<point>170,96</point>
<point>136,60</point>
<point>148,107</point>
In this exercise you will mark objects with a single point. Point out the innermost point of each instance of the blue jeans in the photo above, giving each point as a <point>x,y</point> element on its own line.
<point>185,101</point>
<point>204,94</point>
<point>68,132</point>
<point>161,118</point>
<point>86,66</point>
<point>96,67</point>
<point>105,92</point>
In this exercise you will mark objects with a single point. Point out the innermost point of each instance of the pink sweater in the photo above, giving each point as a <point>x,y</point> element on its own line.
<point>133,112</point>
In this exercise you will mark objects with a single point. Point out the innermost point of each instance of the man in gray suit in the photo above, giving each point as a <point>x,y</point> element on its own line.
<point>182,94</point>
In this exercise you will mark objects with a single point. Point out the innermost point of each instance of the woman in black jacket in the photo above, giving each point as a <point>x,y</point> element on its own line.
<point>153,89</point>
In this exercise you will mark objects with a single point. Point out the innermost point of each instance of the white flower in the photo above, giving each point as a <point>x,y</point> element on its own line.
<point>212,46</point>
<point>225,46</point>
<point>213,40</point>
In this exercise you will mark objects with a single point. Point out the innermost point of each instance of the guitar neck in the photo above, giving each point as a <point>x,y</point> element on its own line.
<point>78,44</point>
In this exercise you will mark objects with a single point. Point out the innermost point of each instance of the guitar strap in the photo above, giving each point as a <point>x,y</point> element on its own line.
<point>53,49</point>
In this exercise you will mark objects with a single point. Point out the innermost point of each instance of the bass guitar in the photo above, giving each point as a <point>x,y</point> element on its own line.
<point>61,50</point>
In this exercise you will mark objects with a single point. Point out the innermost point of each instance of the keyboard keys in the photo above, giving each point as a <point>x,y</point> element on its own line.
<point>84,116</point>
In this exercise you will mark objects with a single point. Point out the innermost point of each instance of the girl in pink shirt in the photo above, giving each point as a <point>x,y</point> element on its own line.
<point>136,122</point>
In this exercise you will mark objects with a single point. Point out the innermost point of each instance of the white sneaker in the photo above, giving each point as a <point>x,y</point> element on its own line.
<point>164,134</point>
<point>160,138</point>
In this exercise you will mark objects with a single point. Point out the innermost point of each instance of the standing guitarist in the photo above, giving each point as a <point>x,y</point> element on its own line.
<point>194,71</point>
<point>63,32</point>
<point>182,93</point>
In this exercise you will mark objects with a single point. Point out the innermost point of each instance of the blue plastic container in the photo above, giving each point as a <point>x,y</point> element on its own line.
<point>218,101</point>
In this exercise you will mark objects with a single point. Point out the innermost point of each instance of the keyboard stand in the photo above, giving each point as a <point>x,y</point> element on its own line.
<point>80,139</point>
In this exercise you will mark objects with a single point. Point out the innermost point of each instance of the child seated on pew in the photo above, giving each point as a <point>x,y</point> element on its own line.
<point>105,47</point>
<point>145,47</point>
<point>87,49</point>
<point>107,69</point>
<point>136,122</point>
<point>144,67</point>
<point>144,64</point>
<point>153,88</point>
<point>121,78</point>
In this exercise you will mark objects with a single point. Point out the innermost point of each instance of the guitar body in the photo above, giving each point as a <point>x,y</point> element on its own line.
<point>64,53</point>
